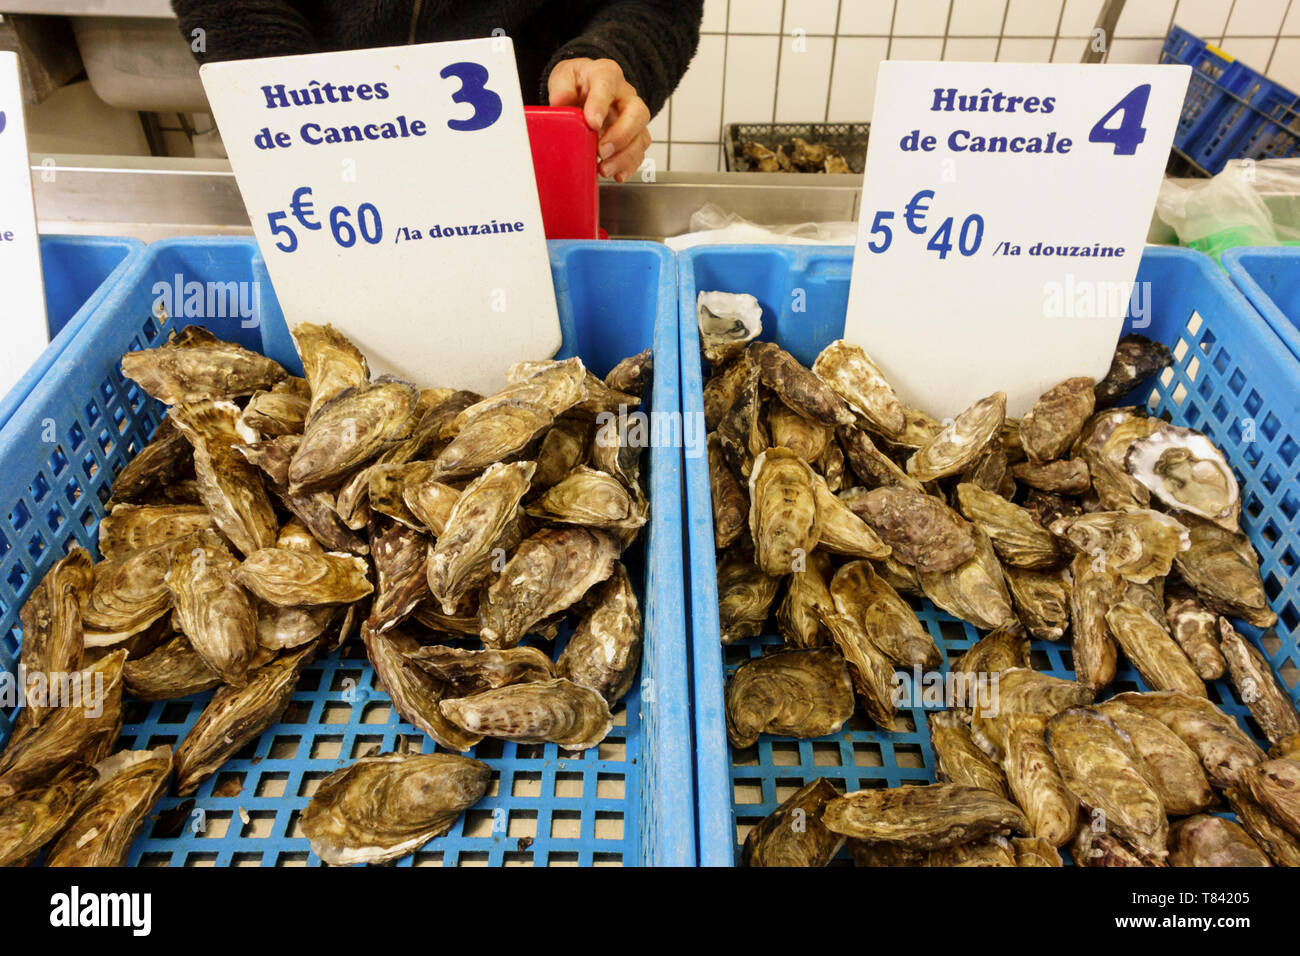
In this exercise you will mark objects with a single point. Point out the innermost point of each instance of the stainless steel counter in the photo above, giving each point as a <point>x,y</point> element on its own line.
<point>154,198</point>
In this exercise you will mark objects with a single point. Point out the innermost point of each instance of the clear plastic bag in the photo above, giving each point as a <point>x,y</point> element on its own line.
<point>1250,203</point>
<point>713,224</point>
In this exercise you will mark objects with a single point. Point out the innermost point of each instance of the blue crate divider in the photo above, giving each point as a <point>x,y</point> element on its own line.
<point>78,272</point>
<point>1269,276</point>
<point>1229,369</point>
<point>629,801</point>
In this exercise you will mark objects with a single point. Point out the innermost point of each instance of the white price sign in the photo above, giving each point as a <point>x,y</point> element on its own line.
<point>1004,211</point>
<point>22,290</point>
<point>392,194</point>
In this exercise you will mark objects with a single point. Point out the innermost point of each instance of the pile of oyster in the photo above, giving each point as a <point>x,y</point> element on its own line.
<point>796,156</point>
<point>836,508</point>
<point>271,519</point>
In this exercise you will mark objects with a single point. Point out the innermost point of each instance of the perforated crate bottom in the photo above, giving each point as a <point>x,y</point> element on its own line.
<point>862,757</point>
<point>544,806</point>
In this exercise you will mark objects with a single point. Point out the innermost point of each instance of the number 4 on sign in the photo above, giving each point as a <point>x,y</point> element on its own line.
<point>1129,134</point>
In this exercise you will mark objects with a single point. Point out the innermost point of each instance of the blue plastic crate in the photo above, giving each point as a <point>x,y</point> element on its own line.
<point>78,272</point>
<point>1259,121</point>
<point>1203,98</point>
<point>1270,278</point>
<point>629,801</point>
<point>1230,368</point>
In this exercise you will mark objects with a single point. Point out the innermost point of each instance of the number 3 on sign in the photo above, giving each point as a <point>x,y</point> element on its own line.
<point>473,90</point>
<point>1129,134</point>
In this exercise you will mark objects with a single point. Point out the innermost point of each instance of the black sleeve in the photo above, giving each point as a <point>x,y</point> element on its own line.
<point>652,40</point>
<point>244,30</point>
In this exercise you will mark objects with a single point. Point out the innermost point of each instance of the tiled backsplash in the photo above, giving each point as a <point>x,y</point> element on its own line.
<point>815,60</point>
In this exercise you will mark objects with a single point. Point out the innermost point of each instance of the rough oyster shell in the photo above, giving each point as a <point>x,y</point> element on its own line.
<point>1197,632</point>
<point>793,833</point>
<point>1282,847</point>
<point>127,595</point>
<point>211,609</point>
<point>1159,660</point>
<point>1224,569</point>
<point>1138,544</point>
<point>590,498</point>
<point>841,530</point>
<point>415,692</point>
<point>957,758</point>
<point>1019,540</point>
<point>783,513</point>
<point>399,555</point>
<point>891,624</point>
<point>1169,764</point>
<point>1186,471</point>
<point>1033,851</point>
<point>803,436</point>
<point>796,386</point>
<point>871,670</point>
<point>745,595</point>
<point>800,693</point>
<point>350,429</point>
<point>959,443</point>
<point>1033,778</point>
<point>547,574</point>
<point>922,531</point>
<point>807,599</point>
<point>975,591</point>
<point>1206,840</point>
<point>382,808</point>
<point>203,368</point>
<point>995,652</point>
<point>165,460</point>
<point>855,378</point>
<point>1041,599</point>
<point>1275,785</point>
<point>280,411</point>
<point>1094,651</point>
<point>53,640</point>
<point>728,496</point>
<point>467,672</point>
<point>1049,428</point>
<point>292,578</point>
<point>131,527</point>
<point>633,374</point>
<point>330,362</point>
<point>1068,476</point>
<point>171,671</point>
<point>555,386</point>
<point>605,649</point>
<point>870,464</point>
<point>727,320</point>
<point>563,448</point>
<point>923,817</point>
<point>501,432</point>
<point>1136,359</point>
<point>30,819</point>
<point>553,711</point>
<point>113,811</point>
<point>1269,703</point>
<point>430,501</point>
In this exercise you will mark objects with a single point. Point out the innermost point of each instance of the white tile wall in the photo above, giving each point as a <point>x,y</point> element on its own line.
<point>816,60</point>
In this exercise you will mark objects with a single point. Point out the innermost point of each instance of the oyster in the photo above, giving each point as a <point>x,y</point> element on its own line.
<point>280,411</point>
<point>1034,851</point>
<point>382,808</point>
<point>869,667</point>
<point>1068,476</point>
<point>1159,660</point>
<point>1171,767</point>
<point>995,652</point>
<point>840,529</point>
<point>547,574</point>
<point>1049,428</point>
<point>31,818</point>
<point>1224,570</point>
<point>989,472</point>
<point>800,389</point>
<point>553,711</point>
<point>502,431</point>
<point>1048,507</point>
<point>727,320</point>
<point>173,670</point>
<point>590,498</point>
<point>430,501</point>
<point>1099,765</point>
<point>1186,471</point>
<point>414,691</point>
<point>290,578</point>
<point>745,596</point>
<point>1093,647</point>
<point>461,559</point>
<point>1094,846</point>
<point>800,693</point>
<point>1206,840</point>
<point>803,436</point>
<point>1028,692</point>
<point>957,758</point>
<point>891,624</point>
<point>807,599</point>
<point>725,386</point>
<point>1224,749</point>
<point>1019,540</point>
<point>127,595</point>
<point>975,591</point>
<point>399,555</point>
<point>53,640</point>
<point>131,527</point>
<point>199,366</point>
<point>272,457</point>
<point>728,496</point>
<point>783,514</point>
<point>922,531</point>
<point>1275,786</point>
<point>211,609</point>
<point>1136,359</point>
<point>1269,703</point>
<point>162,462</point>
<point>563,448</point>
<point>231,489</point>
<point>468,672</point>
<point>1139,544</point>
<point>82,725</point>
<point>870,464</point>
<point>855,378</point>
<point>793,833</point>
<point>605,649</point>
<point>1282,847</point>
<point>831,467</point>
<point>350,429</point>
<point>923,817</point>
<point>1041,599</point>
<point>741,432</point>
<point>330,362</point>
<point>114,809</point>
<point>555,386</point>
<point>233,717</point>
<point>633,374</point>
<point>1197,632</point>
<point>386,492</point>
<point>1033,778</point>
<point>959,443</point>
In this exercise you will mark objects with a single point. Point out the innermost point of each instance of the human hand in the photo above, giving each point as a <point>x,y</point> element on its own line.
<point>612,108</point>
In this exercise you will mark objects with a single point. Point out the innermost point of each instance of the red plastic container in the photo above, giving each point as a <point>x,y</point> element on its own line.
<point>564,161</point>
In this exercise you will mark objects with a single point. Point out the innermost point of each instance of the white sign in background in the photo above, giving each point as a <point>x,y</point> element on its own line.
<point>392,194</point>
<point>22,289</point>
<point>1004,211</point>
